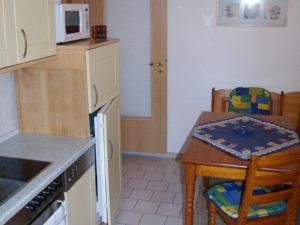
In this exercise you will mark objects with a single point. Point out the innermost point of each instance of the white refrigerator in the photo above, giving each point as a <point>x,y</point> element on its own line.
<point>108,161</point>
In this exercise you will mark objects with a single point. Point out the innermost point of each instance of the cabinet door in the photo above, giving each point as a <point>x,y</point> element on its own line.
<point>35,29</point>
<point>102,75</point>
<point>81,200</point>
<point>8,42</point>
<point>112,145</point>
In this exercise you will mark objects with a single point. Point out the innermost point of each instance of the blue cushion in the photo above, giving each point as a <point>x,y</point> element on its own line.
<point>227,197</point>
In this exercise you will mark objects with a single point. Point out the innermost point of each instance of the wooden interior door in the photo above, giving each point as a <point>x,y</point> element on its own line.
<point>150,134</point>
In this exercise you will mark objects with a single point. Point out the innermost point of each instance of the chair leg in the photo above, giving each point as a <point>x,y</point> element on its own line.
<point>205,181</point>
<point>212,214</point>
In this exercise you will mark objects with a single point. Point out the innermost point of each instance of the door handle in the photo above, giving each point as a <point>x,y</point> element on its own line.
<point>160,63</point>
<point>111,150</point>
<point>25,42</point>
<point>96,93</point>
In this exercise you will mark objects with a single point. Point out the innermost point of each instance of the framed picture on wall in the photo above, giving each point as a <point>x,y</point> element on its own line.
<point>252,12</point>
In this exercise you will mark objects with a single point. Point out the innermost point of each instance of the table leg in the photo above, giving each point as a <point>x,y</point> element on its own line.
<point>190,179</point>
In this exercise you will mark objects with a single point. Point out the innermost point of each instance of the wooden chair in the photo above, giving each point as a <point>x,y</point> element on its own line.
<point>298,124</point>
<point>220,100</point>
<point>219,103</point>
<point>286,199</point>
<point>291,107</point>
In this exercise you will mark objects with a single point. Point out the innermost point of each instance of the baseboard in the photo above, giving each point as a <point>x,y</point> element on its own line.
<point>152,155</point>
<point>9,135</point>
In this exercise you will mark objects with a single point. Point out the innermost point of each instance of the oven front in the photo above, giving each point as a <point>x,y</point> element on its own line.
<point>45,208</point>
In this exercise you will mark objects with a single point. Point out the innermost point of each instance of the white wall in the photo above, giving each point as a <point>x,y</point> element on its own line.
<point>202,56</point>
<point>8,105</point>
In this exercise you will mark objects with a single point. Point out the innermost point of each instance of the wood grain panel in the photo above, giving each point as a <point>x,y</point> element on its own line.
<point>291,105</point>
<point>96,12</point>
<point>53,102</point>
<point>150,134</point>
<point>27,64</point>
<point>65,59</point>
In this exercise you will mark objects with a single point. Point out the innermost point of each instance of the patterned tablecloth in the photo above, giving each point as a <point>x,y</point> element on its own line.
<point>244,136</point>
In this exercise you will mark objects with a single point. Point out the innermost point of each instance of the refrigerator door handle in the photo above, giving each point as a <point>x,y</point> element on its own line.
<point>111,150</point>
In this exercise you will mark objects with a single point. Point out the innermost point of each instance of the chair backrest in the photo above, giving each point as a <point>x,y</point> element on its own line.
<point>298,123</point>
<point>291,105</point>
<point>220,101</point>
<point>277,103</point>
<point>250,100</point>
<point>259,176</point>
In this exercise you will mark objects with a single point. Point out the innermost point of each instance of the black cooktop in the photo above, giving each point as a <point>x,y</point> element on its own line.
<point>15,173</point>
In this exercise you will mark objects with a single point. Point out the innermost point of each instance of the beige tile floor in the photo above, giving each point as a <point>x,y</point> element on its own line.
<point>152,192</point>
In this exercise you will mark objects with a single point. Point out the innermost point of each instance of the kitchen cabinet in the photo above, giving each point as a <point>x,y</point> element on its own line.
<point>8,44</point>
<point>27,31</point>
<point>81,200</point>
<point>63,97</point>
<point>56,97</point>
<point>35,29</point>
<point>102,74</point>
<point>108,155</point>
<point>112,143</point>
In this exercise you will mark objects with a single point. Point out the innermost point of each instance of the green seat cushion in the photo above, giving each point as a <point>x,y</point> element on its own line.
<point>227,197</point>
<point>250,100</point>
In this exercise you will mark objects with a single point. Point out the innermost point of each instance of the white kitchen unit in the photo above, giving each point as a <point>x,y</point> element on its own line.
<point>108,160</point>
<point>27,31</point>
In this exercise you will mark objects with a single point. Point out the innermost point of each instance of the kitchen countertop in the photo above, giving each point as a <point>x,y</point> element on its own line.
<point>86,44</point>
<point>60,151</point>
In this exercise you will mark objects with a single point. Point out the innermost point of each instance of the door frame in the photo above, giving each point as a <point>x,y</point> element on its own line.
<point>150,134</point>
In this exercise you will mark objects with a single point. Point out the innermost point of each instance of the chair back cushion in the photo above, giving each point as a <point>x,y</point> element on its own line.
<point>250,100</point>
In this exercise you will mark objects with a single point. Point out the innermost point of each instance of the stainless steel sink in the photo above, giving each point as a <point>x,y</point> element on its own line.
<point>16,173</point>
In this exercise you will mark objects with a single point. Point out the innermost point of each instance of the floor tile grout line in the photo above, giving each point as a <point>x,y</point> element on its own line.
<point>166,220</point>
<point>148,182</point>
<point>156,211</point>
<point>132,189</point>
<point>133,209</point>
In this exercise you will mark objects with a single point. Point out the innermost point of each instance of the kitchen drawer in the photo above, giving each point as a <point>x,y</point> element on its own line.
<point>102,75</point>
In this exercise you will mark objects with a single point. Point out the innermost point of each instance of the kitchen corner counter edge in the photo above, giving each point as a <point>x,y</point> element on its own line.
<point>60,151</point>
<point>86,44</point>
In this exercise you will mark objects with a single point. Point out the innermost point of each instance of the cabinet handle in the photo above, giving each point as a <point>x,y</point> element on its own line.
<point>111,150</point>
<point>96,92</point>
<point>25,42</point>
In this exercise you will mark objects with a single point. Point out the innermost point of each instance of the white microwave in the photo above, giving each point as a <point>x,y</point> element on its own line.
<point>72,22</point>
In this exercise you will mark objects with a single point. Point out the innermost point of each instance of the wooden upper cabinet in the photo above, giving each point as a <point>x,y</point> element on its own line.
<point>35,29</point>
<point>8,44</point>
<point>102,75</point>
<point>27,31</point>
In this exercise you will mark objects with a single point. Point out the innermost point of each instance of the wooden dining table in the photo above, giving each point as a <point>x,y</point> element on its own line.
<point>201,159</point>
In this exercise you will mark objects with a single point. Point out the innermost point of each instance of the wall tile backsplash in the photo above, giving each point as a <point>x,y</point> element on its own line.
<point>8,105</point>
